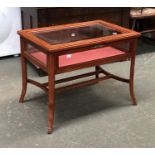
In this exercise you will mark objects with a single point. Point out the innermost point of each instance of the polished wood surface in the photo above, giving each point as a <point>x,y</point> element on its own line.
<point>36,17</point>
<point>53,52</point>
<point>125,34</point>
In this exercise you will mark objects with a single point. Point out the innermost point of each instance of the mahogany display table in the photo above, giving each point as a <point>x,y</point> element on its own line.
<point>65,48</point>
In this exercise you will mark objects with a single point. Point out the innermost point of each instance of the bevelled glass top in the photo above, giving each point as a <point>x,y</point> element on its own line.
<point>75,34</point>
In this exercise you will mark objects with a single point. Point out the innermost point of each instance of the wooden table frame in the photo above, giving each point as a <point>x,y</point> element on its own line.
<point>53,52</point>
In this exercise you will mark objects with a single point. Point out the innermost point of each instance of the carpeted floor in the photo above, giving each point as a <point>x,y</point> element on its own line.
<point>100,115</point>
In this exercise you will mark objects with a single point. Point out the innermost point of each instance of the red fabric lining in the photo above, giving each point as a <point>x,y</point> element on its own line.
<point>80,57</point>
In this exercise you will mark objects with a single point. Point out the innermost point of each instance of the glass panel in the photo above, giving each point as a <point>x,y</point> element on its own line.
<point>74,34</point>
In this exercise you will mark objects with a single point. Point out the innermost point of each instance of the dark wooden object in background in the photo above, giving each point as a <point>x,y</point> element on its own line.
<point>33,17</point>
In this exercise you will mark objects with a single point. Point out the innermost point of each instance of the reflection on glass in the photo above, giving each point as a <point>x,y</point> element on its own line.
<point>75,34</point>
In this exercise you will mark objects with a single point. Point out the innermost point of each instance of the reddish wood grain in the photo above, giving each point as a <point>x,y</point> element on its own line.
<point>55,62</point>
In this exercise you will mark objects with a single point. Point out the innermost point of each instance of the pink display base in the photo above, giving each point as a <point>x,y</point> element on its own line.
<point>80,57</point>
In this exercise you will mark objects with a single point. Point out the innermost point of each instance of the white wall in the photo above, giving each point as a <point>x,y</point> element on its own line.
<point>10,22</point>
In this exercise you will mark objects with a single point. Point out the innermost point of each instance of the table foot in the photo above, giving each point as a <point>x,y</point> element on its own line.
<point>21,100</point>
<point>134,102</point>
<point>132,95</point>
<point>49,131</point>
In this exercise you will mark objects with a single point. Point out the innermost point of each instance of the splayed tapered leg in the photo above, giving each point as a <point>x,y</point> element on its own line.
<point>132,67</point>
<point>24,72</point>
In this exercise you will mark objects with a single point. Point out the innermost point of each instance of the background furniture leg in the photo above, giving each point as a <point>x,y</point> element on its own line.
<point>133,24</point>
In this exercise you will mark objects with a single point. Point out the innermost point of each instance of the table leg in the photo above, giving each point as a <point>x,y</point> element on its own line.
<point>24,71</point>
<point>132,66</point>
<point>51,91</point>
<point>96,69</point>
